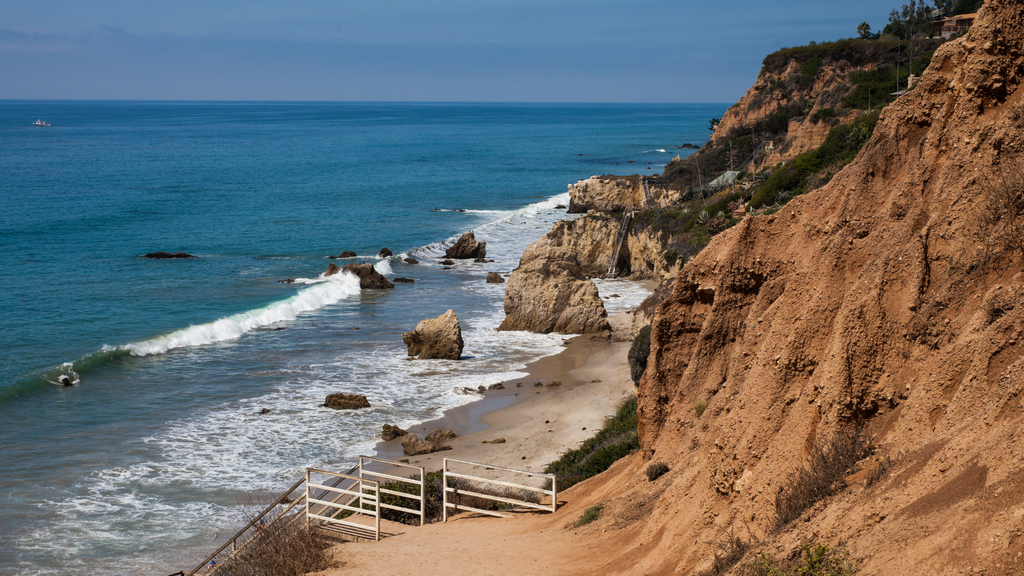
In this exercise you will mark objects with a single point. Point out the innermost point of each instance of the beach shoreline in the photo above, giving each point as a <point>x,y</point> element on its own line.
<point>538,423</point>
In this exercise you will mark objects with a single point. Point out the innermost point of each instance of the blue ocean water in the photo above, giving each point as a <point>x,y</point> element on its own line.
<point>137,467</point>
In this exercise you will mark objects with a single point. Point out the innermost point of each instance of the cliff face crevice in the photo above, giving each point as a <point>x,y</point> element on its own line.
<point>883,297</point>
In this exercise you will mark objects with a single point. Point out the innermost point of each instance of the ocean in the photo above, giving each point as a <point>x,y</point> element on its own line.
<point>138,468</point>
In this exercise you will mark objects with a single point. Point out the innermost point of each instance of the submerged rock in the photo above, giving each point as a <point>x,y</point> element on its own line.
<point>411,261</point>
<point>384,253</point>
<point>167,255</point>
<point>439,337</point>
<point>369,278</point>
<point>404,280</point>
<point>467,248</point>
<point>342,401</point>
<point>447,262</point>
<point>345,254</point>
<point>495,278</point>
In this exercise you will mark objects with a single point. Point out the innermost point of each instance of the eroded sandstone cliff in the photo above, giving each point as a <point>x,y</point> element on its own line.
<point>885,297</point>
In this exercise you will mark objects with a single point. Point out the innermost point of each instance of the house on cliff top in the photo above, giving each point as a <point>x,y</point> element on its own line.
<point>953,25</point>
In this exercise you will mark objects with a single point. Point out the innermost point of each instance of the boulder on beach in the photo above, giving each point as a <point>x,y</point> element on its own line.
<point>439,436</point>
<point>413,445</point>
<point>467,248</point>
<point>167,255</point>
<point>369,278</point>
<point>495,278</point>
<point>411,261</point>
<point>439,337</point>
<point>342,401</point>
<point>384,253</point>
<point>391,432</point>
<point>495,441</point>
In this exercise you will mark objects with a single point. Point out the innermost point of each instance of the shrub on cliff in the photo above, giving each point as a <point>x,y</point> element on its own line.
<point>638,354</point>
<point>617,439</point>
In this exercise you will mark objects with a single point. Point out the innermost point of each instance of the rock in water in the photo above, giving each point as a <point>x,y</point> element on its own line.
<point>384,253</point>
<point>439,337</point>
<point>345,254</point>
<point>467,248</point>
<point>550,293</point>
<point>341,401</point>
<point>167,255</point>
<point>411,261</point>
<point>405,280</point>
<point>495,278</point>
<point>369,278</point>
<point>391,432</point>
<point>447,262</point>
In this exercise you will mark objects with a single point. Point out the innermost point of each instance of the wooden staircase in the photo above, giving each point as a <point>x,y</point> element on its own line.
<point>613,266</point>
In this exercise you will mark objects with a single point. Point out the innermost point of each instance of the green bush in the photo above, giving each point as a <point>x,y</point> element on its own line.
<point>797,177</point>
<point>589,515</point>
<point>617,439</point>
<point>814,560</point>
<point>699,407</point>
<point>639,352</point>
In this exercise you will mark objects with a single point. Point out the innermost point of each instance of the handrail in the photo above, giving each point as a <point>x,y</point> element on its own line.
<point>421,483</point>
<point>613,266</point>
<point>233,540</point>
<point>445,489</point>
<point>373,485</point>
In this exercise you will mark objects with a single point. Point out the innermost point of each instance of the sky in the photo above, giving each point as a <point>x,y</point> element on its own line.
<point>407,50</point>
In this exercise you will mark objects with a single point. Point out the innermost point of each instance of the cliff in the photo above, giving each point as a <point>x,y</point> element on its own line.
<point>889,299</point>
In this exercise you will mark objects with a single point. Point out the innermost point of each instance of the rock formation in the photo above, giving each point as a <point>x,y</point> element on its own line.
<point>341,401</point>
<point>467,248</point>
<point>345,254</point>
<point>391,432</point>
<point>404,280</point>
<point>548,292</point>
<point>369,278</point>
<point>609,194</point>
<point>495,278</point>
<point>384,253</point>
<point>167,255</point>
<point>413,445</point>
<point>411,261</point>
<point>439,337</point>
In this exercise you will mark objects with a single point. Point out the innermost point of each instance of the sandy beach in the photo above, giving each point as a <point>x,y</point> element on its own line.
<point>539,423</point>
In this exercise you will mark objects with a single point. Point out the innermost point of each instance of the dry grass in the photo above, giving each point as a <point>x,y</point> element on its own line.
<point>823,474</point>
<point>284,548</point>
<point>1002,216</point>
<point>729,553</point>
<point>656,470</point>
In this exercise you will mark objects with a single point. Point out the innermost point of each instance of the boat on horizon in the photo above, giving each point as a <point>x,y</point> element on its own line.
<point>42,124</point>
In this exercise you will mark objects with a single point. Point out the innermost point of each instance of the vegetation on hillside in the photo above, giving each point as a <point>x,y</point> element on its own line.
<point>617,439</point>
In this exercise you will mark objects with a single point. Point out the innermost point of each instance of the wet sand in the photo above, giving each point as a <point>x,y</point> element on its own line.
<point>538,423</point>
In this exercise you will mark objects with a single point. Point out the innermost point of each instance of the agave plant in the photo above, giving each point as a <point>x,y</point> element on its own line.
<point>703,217</point>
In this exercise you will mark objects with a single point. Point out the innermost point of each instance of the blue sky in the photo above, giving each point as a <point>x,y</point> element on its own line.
<point>407,50</point>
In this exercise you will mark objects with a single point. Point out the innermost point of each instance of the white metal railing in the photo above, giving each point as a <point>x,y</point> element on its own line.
<point>552,492</point>
<point>421,483</point>
<point>323,514</point>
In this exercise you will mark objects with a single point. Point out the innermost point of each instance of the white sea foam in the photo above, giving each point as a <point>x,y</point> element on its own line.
<point>384,267</point>
<point>628,294</point>
<point>315,297</point>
